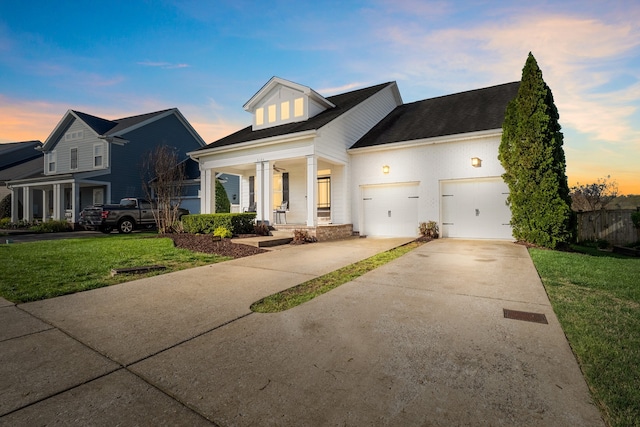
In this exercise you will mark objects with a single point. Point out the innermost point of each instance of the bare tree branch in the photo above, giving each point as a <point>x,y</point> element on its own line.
<point>162,176</point>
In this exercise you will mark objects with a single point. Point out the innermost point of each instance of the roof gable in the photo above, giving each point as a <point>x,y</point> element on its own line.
<point>112,130</point>
<point>471,111</point>
<point>342,103</point>
<point>281,101</point>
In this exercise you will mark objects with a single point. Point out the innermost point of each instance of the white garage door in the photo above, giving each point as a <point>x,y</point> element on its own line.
<point>475,209</point>
<point>390,210</point>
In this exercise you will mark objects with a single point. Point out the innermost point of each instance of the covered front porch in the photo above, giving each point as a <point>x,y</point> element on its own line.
<point>59,199</point>
<point>293,192</point>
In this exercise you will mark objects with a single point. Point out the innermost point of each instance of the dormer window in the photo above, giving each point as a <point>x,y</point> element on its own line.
<point>298,107</point>
<point>259,116</point>
<point>284,111</point>
<point>272,113</point>
<point>281,101</point>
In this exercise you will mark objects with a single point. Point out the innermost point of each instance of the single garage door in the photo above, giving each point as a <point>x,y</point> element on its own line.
<point>390,210</point>
<point>475,209</point>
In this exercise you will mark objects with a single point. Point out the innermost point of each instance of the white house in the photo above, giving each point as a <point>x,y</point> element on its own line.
<point>364,161</point>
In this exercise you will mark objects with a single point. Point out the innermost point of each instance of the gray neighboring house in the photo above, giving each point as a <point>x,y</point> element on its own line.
<point>18,160</point>
<point>88,160</point>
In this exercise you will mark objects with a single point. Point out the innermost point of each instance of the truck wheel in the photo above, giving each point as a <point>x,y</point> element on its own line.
<point>106,229</point>
<point>125,226</point>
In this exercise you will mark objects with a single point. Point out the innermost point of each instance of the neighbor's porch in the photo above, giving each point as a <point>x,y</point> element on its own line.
<point>60,199</point>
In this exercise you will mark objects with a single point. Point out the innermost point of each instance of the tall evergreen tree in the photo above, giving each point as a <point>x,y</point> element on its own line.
<point>535,169</point>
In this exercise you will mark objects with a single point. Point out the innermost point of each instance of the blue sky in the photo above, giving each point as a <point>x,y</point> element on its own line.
<point>119,58</point>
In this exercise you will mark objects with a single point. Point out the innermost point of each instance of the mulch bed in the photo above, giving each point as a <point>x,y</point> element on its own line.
<point>205,243</point>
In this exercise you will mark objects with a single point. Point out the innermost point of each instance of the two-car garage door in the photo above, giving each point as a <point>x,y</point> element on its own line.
<point>475,209</point>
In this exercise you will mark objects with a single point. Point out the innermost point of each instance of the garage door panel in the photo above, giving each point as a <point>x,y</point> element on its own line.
<point>390,210</point>
<point>475,209</point>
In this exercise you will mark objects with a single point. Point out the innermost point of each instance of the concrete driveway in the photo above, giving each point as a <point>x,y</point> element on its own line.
<point>420,341</point>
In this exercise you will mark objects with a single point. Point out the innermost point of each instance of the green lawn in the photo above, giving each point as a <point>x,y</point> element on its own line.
<point>39,270</point>
<point>597,300</point>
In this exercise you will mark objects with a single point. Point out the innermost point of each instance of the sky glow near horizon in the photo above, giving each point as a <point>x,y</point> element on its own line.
<point>120,58</point>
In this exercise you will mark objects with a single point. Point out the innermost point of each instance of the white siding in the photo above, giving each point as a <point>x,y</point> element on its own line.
<point>339,135</point>
<point>427,164</point>
<point>85,150</point>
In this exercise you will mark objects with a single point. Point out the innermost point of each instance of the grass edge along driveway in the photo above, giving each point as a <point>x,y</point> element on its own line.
<point>45,269</point>
<point>597,301</point>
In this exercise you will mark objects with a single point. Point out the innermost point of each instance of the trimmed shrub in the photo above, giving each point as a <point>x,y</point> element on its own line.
<point>243,223</point>
<point>5,206</point>
<point>5,223</point>
<point>237,223</point>
<point>51,227</point>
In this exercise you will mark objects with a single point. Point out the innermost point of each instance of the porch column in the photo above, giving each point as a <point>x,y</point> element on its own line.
<point>257,191</point>
<point>207,192</point>
<point>262,191</point>
<point>15,203</point>
<point>267,178</point>
<point>312,188</point>
<point>45,205</point>
<point>27,209</point>
<point>75,201</point>
<point>58,202</point>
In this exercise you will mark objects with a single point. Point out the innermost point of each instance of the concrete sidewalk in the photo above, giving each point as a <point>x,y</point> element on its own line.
<point>419,341</point>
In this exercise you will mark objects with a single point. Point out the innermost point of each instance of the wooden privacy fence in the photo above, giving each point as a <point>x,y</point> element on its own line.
<point>614,226</point>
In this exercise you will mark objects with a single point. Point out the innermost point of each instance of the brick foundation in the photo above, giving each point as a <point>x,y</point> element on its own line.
<point>322,232</point>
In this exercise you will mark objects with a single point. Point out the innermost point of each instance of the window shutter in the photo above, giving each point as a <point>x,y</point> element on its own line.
<point>252,195</point>
<point>285,188</point>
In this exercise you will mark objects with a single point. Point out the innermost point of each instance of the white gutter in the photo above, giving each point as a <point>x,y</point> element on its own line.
<point>279,139</point>
<point>427,141</point>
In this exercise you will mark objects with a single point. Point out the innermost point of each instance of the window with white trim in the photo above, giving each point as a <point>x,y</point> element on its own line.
<point>73,161</point>
<point>51,161</point>
<point>259,116</point>
<point>298,107</point>
<point>98,155</point>
<point>73,136</point>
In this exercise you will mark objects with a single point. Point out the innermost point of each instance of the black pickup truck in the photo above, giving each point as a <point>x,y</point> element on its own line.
<point>130,214</point>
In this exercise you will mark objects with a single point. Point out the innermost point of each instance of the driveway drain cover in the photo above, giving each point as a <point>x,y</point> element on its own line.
<point>526,316</point>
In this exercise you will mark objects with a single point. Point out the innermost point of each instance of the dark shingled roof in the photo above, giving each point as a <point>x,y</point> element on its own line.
<point>99,125</point>
<point>343,103</point>
<point>108,127</point>
<point>127,122</point>
<point>28,169</point>
<point>472,111</point>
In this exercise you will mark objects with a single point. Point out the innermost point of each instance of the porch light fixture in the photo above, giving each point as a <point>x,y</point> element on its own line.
<point>476,162</point>
<point>386,169</point>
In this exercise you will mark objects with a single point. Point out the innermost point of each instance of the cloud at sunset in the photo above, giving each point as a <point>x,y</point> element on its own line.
<point>589,53</point>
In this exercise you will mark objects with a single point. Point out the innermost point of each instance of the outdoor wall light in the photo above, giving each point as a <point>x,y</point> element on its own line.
<point>476,162</point>
<point>386,169</point>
